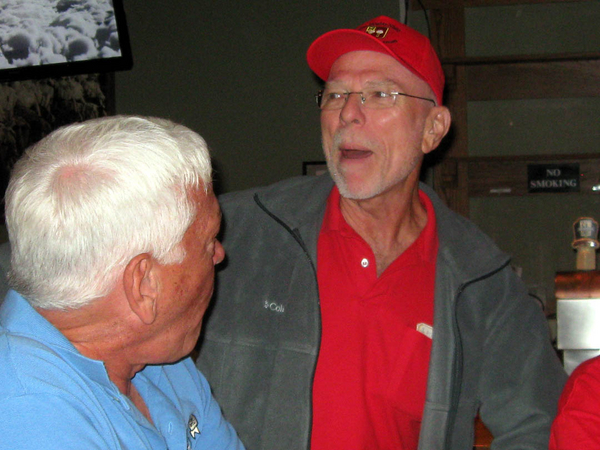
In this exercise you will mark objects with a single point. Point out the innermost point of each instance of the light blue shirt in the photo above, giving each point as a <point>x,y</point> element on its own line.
<point>53,397</point>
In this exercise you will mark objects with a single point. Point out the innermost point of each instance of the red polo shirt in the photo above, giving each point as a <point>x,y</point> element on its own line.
<point>371,375</point>
<point>577,424</point>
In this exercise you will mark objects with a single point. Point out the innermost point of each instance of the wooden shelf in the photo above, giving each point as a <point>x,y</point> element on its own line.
<point>500,80</point>
<point>525,76</point>
<point>504,77</point>
<point>508,176</point>
<point>444,4</point>
<point>510,59</point>
<point>472,3</point>
<point>459,179</point>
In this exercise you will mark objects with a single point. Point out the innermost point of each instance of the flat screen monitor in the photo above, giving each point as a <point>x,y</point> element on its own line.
<point>54,38</point>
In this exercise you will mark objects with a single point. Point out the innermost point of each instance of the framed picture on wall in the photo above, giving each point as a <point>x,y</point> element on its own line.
<point>314,167</point>
<point>43,39</point>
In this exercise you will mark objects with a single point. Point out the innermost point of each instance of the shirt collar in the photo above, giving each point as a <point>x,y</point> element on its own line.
<point>20,318</point>
<point>425,245</point>
<point>334,220</point>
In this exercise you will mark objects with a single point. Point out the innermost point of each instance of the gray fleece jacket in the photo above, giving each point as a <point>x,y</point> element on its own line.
<point>491,348</point>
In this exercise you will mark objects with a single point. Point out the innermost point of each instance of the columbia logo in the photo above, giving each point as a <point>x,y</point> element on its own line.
<point>272,306</point>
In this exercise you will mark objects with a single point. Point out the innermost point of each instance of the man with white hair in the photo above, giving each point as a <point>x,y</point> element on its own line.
<point>113,226</point>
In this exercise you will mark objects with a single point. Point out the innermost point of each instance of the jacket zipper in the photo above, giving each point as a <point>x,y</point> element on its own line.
<point>458,361</point>
<point>296,235</point>
<point>457,366</point>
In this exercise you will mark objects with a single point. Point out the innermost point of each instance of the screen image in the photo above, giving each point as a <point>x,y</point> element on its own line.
<point>61,37</point>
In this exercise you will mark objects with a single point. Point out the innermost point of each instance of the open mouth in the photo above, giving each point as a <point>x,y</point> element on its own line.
<point>355,154</point>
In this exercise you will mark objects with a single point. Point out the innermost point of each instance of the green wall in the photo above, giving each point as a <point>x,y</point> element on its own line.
<point>236,73</point>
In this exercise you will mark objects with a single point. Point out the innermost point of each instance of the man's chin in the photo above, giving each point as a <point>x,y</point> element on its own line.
<point>351,192</point>
<point>350,187</point>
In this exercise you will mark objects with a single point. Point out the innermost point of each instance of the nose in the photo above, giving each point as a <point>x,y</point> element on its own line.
<point>352,111</point>
<point>219,255</point>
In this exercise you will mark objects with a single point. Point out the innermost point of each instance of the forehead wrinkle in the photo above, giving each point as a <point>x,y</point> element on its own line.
<point>395,76</point>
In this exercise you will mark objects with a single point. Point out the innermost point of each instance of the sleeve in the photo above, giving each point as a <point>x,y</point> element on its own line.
<point>577,425</point>
<point>216,433</point>
<point>521,376</point>
<point>33,422</point>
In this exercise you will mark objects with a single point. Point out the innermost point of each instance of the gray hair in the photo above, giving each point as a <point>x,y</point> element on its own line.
<point>89,197</point>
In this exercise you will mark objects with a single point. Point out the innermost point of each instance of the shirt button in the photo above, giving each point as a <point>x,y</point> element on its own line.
<point>364,262</point>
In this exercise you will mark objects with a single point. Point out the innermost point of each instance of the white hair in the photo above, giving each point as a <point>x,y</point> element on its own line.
<point>89,197</point>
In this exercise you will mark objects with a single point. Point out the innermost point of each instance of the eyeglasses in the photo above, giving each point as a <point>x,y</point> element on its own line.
<point>374,99</point>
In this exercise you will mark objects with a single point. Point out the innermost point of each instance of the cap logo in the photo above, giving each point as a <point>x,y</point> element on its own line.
<point>378,32</point>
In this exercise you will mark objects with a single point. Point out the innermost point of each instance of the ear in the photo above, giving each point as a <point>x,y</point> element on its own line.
<point>437,125</point>
<point>141,286</point>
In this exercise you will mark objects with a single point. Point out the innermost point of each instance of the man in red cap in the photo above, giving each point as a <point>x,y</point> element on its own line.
<point>356,310</point>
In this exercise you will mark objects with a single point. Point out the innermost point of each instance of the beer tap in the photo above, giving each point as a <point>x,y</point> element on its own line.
<point>585,230</point>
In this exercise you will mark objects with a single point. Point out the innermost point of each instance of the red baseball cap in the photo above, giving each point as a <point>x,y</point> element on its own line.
<point>383,35</point>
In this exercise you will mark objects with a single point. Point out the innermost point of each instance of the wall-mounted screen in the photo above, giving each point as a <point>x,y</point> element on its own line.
<point>48,38</point>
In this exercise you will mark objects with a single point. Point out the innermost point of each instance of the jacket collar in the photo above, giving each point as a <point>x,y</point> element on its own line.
<point>468,252</point>
<point>300,204</point>
<point>297,201</point>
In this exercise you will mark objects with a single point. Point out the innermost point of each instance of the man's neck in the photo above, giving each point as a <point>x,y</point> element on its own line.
<point>97,332</point>
<point>103,337</point>
<point>389,223</point>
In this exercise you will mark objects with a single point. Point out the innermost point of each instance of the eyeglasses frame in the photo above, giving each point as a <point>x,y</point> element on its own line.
<point>319,95</point>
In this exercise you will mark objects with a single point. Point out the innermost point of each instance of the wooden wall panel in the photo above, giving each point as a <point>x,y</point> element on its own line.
<point>441,4</point>
<point>520,80</point>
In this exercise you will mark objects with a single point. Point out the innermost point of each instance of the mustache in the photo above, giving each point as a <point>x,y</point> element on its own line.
<point>341,136</point>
